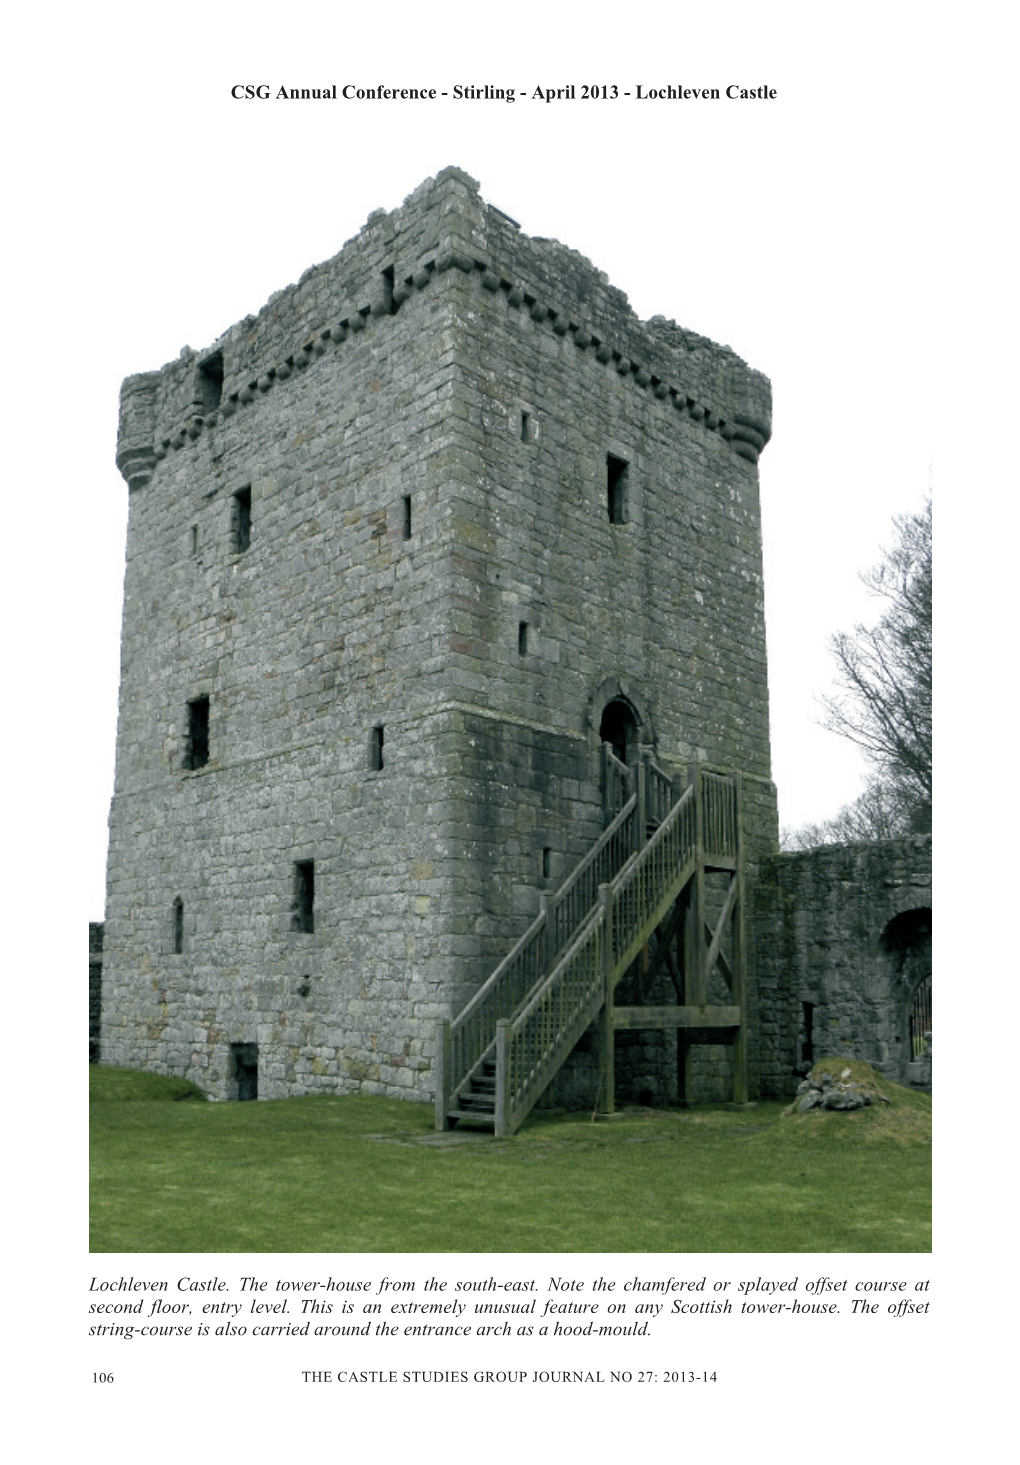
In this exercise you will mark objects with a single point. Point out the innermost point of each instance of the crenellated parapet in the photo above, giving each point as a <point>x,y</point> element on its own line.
<point>443,227</point>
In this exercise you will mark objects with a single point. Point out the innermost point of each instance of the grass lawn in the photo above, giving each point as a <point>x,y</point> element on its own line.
<point>362,1174</point>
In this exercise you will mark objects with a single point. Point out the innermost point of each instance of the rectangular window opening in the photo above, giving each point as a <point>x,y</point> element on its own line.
<point>241,520</point>
<point>197,755</point>
<point>616,483</point>
<point>376,739</point>
<point>388,283</point>
<point>522,639</point>
<point>527,434</point>
<point>244,1059</point>
<point>178,926</point>
<point>210,381</point>
<point>546,863</point>
<point>406,523</point>
<point>194,539</point>
<point>303,906</point>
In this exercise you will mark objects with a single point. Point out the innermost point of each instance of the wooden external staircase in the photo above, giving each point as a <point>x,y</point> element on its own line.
<point>635,903</point>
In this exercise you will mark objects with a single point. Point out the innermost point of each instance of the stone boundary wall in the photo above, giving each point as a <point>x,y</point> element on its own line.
<point>843,940</point>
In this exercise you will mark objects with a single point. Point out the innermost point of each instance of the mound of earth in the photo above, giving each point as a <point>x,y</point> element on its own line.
<point>838,1083</point>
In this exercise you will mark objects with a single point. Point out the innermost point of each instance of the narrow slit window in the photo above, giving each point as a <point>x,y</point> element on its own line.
<point>303,907</point>
<point>388,282</point>
<point>198,733</point>
<point>376,740</point>
<point>210,381</point>
<point>616,484</point>
<point>178,926</point>
<point>526,428</point>
<point>522,639</point>
<point>241,520</point>
<point>406,522</point>
<point>194,539</point>
<point>546,863</point>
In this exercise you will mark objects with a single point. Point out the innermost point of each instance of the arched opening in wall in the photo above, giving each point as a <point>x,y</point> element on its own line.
<point>906,944</point>
<point>619,728</point>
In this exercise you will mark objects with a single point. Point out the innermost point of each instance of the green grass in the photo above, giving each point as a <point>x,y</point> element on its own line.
<point>362,1174</point>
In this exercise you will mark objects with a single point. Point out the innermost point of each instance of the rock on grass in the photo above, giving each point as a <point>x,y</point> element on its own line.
<point>838,1083</point>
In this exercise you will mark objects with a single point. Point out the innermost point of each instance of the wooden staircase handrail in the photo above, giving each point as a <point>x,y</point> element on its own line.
<point>471,1034</point>
<point>642,889</point>
<point>605,839</point>
<point>530,1065</point>
<point>532,1010</point>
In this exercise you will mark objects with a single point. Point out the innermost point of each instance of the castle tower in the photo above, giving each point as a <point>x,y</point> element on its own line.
<point>404,550</point>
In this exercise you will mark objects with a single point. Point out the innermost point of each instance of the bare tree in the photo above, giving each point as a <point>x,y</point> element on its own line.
<point>884,704</point>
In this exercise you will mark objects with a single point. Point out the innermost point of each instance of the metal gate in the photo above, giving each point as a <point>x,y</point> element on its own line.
<point>920,1017</point>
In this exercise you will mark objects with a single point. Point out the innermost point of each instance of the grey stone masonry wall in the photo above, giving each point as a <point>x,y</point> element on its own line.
<point>843,944</point>
<point>377,597</point>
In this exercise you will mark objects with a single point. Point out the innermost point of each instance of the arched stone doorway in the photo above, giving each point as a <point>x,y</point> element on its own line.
<point>617,713</point>
<point>619,727</point>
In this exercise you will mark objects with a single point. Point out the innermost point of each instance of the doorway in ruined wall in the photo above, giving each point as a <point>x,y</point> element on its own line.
<point>243,1071</point>
<point>906,945</point>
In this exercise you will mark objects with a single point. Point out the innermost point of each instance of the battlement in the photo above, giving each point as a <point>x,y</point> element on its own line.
<point>443,230</point>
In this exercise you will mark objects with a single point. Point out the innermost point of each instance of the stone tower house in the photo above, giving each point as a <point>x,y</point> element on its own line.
<point>405,550</point>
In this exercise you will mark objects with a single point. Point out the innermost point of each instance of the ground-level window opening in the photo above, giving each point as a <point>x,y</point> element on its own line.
<point>303,906</point>
<point>245,1061</point>
<point>197,755</point>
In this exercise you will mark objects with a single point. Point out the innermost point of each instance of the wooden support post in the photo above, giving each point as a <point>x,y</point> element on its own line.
<point>695,966</point>
<point>683,1045</point>
<point>545,953</point>
<point>739,958</point>
<point>502,1076</point>
<point>442,1073</point>
<point>607,1052</point>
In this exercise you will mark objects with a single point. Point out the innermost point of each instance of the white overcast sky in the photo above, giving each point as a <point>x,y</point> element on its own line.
<point>157,211</point>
